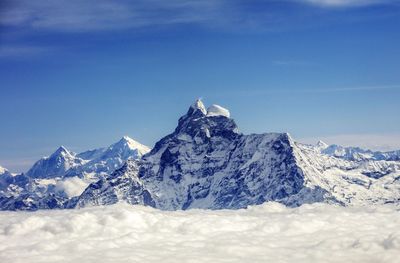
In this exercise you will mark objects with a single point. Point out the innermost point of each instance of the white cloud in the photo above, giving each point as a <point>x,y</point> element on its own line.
<point>72,186</point>
<point>266,233</point>
<point>381,142</point>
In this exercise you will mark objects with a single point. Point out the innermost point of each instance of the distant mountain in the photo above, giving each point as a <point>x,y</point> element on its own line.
<point>10,183</point>
<point>103,160</point>
<point>107,160</point>
<point>56,165</point>
<point>54,181</point>
<point>3,171</point>
<point>207,163</point>
<point>358,154</point>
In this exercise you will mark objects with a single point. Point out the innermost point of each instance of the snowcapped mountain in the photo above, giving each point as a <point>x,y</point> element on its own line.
<point>54,181</point>
<point>207,163</point>
<point>358,154</point>
<point>10,183</point>
<point>99,161</point>
<point>3,170</point>
<point>56,165</point>
<point>106,160</point>
<point>350,182</point>
<point>7,179</point>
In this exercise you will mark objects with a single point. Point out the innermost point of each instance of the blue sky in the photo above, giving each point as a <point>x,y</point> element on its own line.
<point>84,73</point>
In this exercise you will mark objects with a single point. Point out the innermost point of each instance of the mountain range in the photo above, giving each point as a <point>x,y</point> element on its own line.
<point>206,162</point>
<point>54,181</point>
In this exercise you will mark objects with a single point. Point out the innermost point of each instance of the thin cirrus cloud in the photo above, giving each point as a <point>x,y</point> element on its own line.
<point>91,15</point>
<point>347,3</point>
<point>95,15</point>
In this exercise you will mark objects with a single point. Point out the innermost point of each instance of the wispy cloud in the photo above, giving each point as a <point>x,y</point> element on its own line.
<point>88,15</point>
<point>95,15</point>
<point>347,3</point>
<point>381,142</point>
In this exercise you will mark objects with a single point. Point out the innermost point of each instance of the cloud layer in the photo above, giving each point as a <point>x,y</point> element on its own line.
<point>266,233</point>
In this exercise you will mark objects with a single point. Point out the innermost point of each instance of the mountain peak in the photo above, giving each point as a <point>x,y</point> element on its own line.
<point>130,143</point>
<point>126,139</point>
<point>3,170</point>
<point>200,122</point>
<point>61,151</point>
<point>62,148</point>
<point>322,145</point>
<point>198,105</point>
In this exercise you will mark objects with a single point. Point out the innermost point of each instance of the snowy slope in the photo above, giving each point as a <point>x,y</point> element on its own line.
<point>207,163</point>
<point>350,182</point>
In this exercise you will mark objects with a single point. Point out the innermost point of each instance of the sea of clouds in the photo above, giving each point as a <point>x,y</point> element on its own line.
<point>265,233</point>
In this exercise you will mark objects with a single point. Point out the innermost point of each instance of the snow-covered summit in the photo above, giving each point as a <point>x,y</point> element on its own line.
<point>198,105</point>
<point>321,145</point>
<point>130,143</point>
<point>55,165</point>
<point>63,151</point>
<point>216,110</point>
<point>213,110</point>
<point>200,124</point>
<point>64,162</point>
<point>3,170</point>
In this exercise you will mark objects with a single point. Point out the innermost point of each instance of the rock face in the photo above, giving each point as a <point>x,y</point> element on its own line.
<point>207,163</point>
<point>122,184</point>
